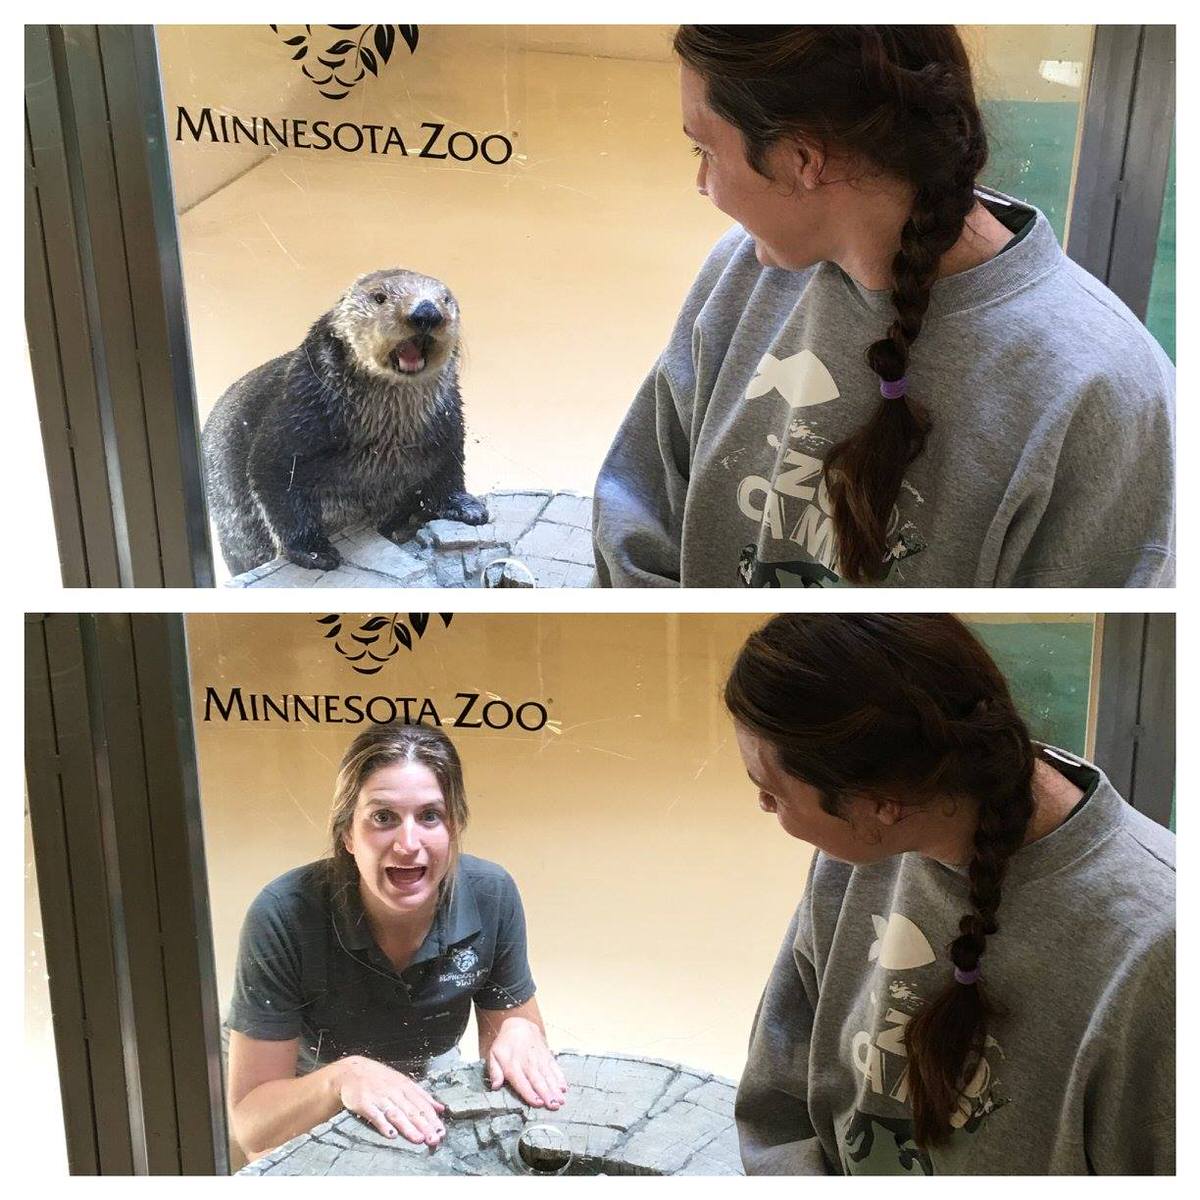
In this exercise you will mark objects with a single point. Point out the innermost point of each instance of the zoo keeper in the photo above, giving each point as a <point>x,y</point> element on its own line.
<point>356,973</point>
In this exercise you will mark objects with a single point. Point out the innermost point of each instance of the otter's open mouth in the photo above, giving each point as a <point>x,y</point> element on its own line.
<point>408,357</point>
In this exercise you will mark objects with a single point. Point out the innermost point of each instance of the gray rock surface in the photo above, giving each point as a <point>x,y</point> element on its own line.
<point>623,1116</point>
<point>534,539</point>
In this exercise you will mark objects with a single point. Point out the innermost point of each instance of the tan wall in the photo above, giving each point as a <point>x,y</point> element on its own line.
<point>1011,61</point>
<point>568,276</point>
<point>248,69</point>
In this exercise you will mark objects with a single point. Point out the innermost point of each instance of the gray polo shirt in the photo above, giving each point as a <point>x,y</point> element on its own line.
<point>308,967</point>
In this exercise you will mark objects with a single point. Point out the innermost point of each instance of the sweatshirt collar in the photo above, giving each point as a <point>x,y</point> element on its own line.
<point>1100,818</point>
<point>1034,256</point>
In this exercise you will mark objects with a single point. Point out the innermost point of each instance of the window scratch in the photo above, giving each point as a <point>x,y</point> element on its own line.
<point>278,242</point>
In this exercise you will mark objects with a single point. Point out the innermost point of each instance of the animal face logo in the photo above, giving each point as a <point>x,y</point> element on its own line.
<point>464,959</point>
<point>337,57</point>
<point>370,641</point>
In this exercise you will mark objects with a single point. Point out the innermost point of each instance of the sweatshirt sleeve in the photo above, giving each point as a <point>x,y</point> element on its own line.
<point>1130,1109</point>
<point>637,517</point>
<point>775,1130</point>
<point>1107,516</point>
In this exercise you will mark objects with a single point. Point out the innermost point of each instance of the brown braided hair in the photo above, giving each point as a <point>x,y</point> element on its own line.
<point>900,97</point>
<point>907,707</point>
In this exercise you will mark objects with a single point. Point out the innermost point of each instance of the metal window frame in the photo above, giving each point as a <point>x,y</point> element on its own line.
<point>1135,710</point>
<point>114,812</point>
<point>105,313</point>
<point>1124,158</point>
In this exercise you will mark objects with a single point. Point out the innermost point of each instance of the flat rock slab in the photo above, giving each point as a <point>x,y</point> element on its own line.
<point>623,1116</point>
<point>533,539</point>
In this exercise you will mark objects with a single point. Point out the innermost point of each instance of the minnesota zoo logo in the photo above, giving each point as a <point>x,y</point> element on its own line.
<point>368,643</point>
<point>464,959</point>
<point>336,61</point>
<point>466,970</point>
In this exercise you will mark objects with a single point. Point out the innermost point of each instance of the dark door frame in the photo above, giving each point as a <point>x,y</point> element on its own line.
<point>105,313</point>
<point>1124,158</point>
<point>1135,710</point>
<point>114,812</point>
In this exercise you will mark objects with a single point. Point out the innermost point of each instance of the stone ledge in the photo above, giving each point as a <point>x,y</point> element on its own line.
<point>534,539</point>
<point>623,1115</point>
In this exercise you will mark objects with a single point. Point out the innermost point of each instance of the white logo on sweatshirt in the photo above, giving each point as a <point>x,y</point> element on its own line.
<point>879,1053</point>
<point>899,944</point>
<point>802,380</point>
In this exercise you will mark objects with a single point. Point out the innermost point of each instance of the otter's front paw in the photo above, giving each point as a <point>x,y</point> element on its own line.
<point>464,507</point>
<point>317,557</point>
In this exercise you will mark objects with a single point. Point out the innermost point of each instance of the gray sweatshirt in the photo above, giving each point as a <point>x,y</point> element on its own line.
<point>1050,462</point>
<point>1078,1078</point>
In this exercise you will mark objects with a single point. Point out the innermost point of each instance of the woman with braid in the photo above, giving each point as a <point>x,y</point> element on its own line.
<point>980,977</point>
<point>885,374</point>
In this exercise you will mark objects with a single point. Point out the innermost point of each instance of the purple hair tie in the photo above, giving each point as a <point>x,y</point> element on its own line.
<point>893,389</point>
<point>967,977</point>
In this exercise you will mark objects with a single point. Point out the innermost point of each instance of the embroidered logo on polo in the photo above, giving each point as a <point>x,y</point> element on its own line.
<point>464,959</point>
<point>792,506</point>
<point>467,971</point>
<point>877,1139</point>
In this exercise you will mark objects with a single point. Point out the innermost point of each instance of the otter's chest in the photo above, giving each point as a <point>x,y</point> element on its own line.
<point>391,448</point>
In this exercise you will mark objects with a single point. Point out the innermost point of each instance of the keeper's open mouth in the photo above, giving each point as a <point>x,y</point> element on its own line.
<point>405,876</point>
<point>408,357</point>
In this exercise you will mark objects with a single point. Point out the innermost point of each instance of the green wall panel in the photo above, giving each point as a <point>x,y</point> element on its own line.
<point>1031,153</point>
<point>1160,313</point>
<point>1048,667</point>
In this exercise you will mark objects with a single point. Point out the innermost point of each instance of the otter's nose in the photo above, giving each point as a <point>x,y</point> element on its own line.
<point>425,317</point>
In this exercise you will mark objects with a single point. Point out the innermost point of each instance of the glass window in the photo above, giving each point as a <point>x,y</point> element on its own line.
<point>527,167</point>
<point>602,774</point>
<point>539,172</point>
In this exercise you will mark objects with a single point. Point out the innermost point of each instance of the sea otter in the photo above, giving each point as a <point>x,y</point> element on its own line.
<point>364,417</point>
